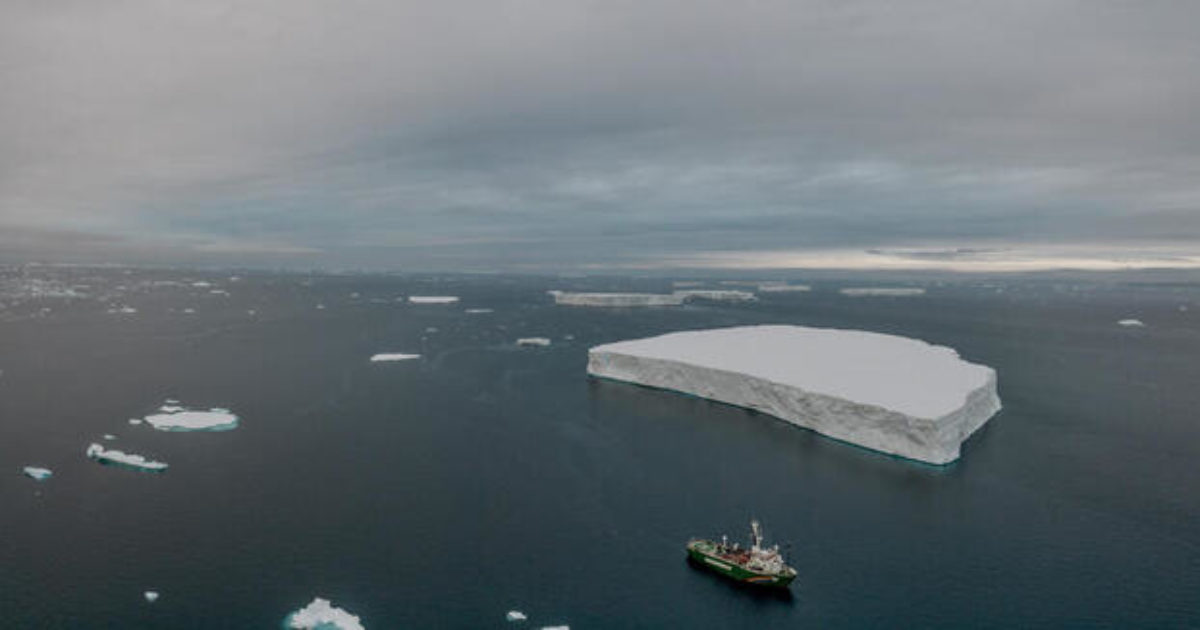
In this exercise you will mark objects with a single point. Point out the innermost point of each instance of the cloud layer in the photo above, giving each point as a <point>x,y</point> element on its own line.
<point>528,133</point>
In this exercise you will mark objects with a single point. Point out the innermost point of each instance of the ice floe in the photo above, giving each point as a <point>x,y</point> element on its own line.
<point>432,299</point>
<point>882,291</point>
<point>38,473</point>
<point>783,288</point>
<point>320,614</point>
<point>616,299</point>
<point>515,615</point>
<point>717,295</point>
<point>393,356</point>
<point>1133,323</point>
<point>119,458</point>
<point>884,392</point>
<point>172,416</point>
<point>477,311</point>
<point>533,341</point>
<point>151,596</point>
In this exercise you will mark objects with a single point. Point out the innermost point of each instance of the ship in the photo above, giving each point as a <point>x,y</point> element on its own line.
<point>754,565</point>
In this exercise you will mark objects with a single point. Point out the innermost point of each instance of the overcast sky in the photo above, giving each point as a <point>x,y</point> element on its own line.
<point>561,133</point>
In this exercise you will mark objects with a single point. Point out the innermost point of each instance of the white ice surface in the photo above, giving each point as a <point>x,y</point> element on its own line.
<point>100,454</point>
<point>533,341</point>
<point>882,291</point>
<point>38,473</point>
<point>515,615</point>
<point>320,614</point>
<point>175,417</point>
<point>616,299</point>
<point>151,596</point>
<point>717,295</point>
<point>1136,323</point>
<point>432,299</point>
<point>783,288</point>
<point>477,311</point>
<point>893,394</point>
<point>393,356</point>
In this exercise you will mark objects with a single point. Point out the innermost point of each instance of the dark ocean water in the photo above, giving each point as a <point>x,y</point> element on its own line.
<point>484,477</point>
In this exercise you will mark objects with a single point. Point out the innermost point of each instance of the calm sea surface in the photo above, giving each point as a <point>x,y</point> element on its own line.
<point>484,477</point>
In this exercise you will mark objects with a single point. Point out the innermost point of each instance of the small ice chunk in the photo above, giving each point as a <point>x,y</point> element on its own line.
<point>219,292</point>
<point>35,472</point>
<point>717,295</point>
<point>432,299</point>
<point>477,311</point>
<point>1135,323</point>
<point>127,460</point>
<point>201,285</point>
<point>882,291</point>
<point>320,614</point>
<point>189,311</point>
<point>135,421</point>
<point>515,615</point>
<point>533,341</point>
<point>110,437</point>
<point>556,627</point>
<point>320,307</point>
<point>151,596</point>
<point>393,356</point>
<point>431,329</point>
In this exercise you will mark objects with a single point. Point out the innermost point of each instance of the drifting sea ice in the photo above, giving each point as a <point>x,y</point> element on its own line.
<point>127,460</point>
<point>1134,323</point>
<point>616,300</point>
<point>320,614</point>
<point>393,356</point>
<point>882,291</point>
<point>477,311</point>
<point>717,295</point>
<point>174,417</point>
<point>515,615</point>
<point>784,288</point>
<point>432,299</point>
<point>533,341</point>
<point>151,596</point>
<point>35,472</point>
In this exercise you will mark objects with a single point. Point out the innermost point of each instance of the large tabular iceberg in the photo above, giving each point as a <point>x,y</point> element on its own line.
<point>617,300</point>
<point>892,394</point>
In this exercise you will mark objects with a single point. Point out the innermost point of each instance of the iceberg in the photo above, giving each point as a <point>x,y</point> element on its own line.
<point>1134,323</point>
<point>888,393</point>
<point>125,460</point>
<point>151,596</point>
<point>393,356</point>
<point>477,311</point>
<point>533,341</point>
<point>783,288</point>
<point>320,614</point>
<point>616,299</point>
<point>432,299</point>
<point>174,417</point>
<point>37,473</point>
<point>717,295</point>
<point>515,615</point>
<point>882,291</point>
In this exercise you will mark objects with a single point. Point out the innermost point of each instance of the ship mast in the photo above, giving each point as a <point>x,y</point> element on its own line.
<point>755,536</point>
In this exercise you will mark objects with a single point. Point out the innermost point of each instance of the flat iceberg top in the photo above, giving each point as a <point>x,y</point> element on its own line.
<point>100,454</point>
<point>897,373</point>
<point>384,357</point>
<point>320,614</point>
<point>432,299</point>
<point>173,417</point>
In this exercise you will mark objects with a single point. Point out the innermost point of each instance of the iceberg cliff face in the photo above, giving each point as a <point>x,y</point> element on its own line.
<point>888,393</point>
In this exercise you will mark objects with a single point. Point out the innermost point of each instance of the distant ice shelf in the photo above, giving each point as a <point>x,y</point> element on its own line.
<point>172,416</point>
<point>126,460</point>
<point>892,394</point>
<point>385,357</point>
<point>321,614</point>
<point>616,300</point>
<point>882,291</point>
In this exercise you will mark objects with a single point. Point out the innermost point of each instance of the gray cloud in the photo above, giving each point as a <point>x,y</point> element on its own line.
<point>527,133</point>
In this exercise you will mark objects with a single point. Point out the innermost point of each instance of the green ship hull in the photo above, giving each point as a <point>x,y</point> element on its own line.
<point>708,554</point>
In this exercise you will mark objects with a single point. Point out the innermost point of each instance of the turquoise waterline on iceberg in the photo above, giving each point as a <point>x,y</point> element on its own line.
<point>172,416</point>
<point>37,473</point>
<point>124,460</point>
